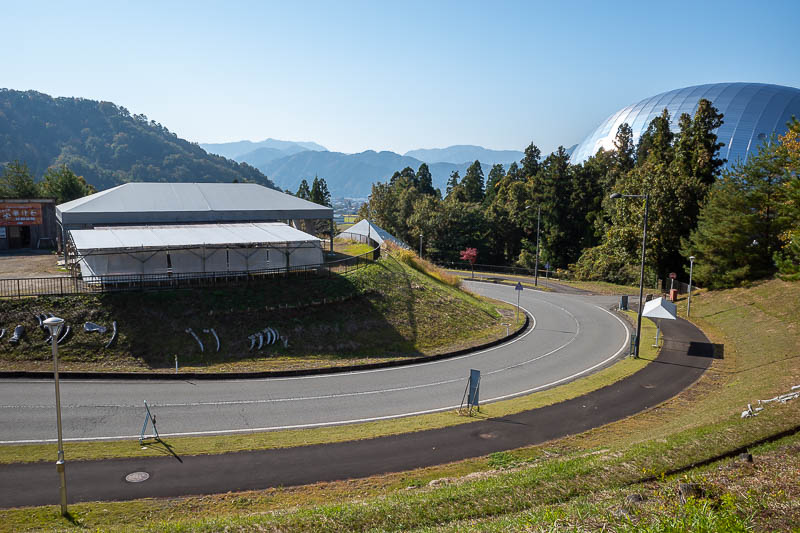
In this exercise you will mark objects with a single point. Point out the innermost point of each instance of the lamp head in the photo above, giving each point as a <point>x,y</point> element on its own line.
<point>53,324</point>
<point>615,195</point>
<point>691,258</point>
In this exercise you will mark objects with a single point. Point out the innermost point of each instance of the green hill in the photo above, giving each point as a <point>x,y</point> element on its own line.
<point>105,143</point>
<point>384,311</point>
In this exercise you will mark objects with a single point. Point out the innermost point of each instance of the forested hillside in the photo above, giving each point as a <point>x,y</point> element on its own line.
<point>104,143</point>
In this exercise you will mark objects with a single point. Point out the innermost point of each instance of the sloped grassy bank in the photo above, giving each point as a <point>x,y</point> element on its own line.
<point>387,310</point>
<point>578,483</point>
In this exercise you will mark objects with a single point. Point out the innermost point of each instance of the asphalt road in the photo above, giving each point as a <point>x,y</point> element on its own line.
<point>684,357</point>
<point>571,336</point>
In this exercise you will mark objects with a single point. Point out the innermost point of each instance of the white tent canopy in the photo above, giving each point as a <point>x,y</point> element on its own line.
<point>660,308</point>
<point>368,229</point>
<point>190,249</point>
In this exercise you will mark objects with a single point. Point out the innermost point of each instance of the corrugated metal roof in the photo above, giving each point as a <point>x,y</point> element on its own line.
<point>183,236</point>
<point>167,203</point>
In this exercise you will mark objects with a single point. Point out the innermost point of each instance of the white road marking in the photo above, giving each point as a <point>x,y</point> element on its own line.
<point>352,421</point>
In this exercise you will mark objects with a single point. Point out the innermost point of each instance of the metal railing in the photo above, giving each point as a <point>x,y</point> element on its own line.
<point>66,285</point>
<point>500,269</point>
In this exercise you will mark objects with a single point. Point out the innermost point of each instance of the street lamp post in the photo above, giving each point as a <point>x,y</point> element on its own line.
<point>536,268</point>
<point>641,274</point>
<point>689,302</point>
<point>54,325</point>
<point>420,245</point>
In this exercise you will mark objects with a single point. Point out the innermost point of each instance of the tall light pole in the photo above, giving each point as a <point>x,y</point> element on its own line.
<point>54,325</point>
<point>689,303</point>
<point>420,245</point>
<point>641,274</point>
<point>536,268</point>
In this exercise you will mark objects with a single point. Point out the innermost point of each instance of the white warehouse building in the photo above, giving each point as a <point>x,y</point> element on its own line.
<point>188,229</point>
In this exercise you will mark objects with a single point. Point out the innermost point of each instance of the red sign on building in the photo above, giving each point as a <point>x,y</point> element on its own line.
<point>20,214</point>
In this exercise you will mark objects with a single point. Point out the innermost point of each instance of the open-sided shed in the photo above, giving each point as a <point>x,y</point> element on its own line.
<point>192,249</point>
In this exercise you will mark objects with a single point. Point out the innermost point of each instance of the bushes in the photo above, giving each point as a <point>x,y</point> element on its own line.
<point>411,259</point>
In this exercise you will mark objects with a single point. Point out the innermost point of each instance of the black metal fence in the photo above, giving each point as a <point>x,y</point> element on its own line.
<point>66,285</point>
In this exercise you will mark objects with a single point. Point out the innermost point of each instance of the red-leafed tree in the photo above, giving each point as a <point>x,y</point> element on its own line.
<point>471,255</point>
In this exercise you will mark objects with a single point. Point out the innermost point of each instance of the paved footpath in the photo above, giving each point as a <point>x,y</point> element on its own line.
<point>684,357</point>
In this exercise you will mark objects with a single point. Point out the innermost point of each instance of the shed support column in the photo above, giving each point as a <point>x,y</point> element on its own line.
<point>64,244</point>
<point>332,227</point>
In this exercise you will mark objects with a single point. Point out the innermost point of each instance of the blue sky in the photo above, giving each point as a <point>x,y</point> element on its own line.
<point>391,76</point>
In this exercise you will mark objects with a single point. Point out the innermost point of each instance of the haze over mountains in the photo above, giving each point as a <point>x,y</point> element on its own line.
<point>108,146</point>
<point>352,175</point>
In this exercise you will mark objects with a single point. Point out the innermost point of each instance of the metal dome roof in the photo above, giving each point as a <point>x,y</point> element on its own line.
<point>752,111</point>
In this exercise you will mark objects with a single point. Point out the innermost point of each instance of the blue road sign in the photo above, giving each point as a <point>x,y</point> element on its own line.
<point>518,287</point>
<point>474,387</point>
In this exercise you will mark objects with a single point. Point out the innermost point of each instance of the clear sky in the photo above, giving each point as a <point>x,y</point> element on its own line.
<point>390,75</point>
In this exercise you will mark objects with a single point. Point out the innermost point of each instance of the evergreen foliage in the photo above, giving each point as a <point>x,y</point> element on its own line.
<point>64,185</point>
<point>104,143</point>
<point>303,191</point>
<point>473,182</point>
<point>16,181</point>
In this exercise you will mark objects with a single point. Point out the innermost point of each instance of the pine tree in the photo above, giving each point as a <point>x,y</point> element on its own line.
<point>424,180</point>
<point>624,148</point>
<point>740,228</point>
<point>473,182</point>
<point>16,181</point>
<point>531,161</point>
<point>319,192</point>
<point>495,175</point>
<point>452,182</point>
<point>303,191</point>
<point>656,142</point>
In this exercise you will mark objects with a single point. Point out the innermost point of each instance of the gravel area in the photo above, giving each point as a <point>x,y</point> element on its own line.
<point>29,264</point>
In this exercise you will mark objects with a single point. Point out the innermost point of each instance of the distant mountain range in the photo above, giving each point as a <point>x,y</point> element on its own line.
<point>352,175</point>
<point>465,152</point>
<point>108,145</point>
<point>104,143</point>
<point>259,153</point>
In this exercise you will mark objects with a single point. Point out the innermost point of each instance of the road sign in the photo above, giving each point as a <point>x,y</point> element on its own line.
<point>518,287</point>
<point>672,275</point>
<point>547,266</point>
<point>474,388</point>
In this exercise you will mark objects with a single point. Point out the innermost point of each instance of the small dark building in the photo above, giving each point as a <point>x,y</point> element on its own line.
<point>28,223</point>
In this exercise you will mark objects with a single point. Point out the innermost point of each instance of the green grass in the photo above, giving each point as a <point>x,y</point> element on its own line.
<point>603,287</point>
<point>575,483</point>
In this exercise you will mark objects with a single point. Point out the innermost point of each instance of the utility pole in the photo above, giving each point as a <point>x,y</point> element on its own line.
<point>536,268</point>
<point>689,302</point>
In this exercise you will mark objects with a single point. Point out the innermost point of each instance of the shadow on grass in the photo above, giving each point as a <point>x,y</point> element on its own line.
<point>161,446</point>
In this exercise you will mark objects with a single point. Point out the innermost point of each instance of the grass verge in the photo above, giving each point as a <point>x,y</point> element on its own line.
<point>568,484</point>
<point>384,311</point>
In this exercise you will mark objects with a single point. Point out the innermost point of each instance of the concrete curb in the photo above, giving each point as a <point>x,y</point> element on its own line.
<point>182,376</point>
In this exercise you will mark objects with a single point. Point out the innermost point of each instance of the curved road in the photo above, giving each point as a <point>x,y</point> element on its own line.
<point>571,336</point>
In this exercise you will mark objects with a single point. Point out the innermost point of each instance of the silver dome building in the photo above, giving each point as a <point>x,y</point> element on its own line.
<point>752,112</point>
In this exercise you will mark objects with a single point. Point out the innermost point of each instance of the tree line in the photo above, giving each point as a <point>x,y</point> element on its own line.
<point>59,182</point>
<point>105,143</point>
<point>740,223</point>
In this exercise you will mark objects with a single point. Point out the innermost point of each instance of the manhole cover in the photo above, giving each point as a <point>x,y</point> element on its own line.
<point>137,477</point>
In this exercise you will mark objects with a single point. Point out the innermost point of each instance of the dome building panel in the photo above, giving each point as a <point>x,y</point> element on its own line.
<point>752,112</point>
